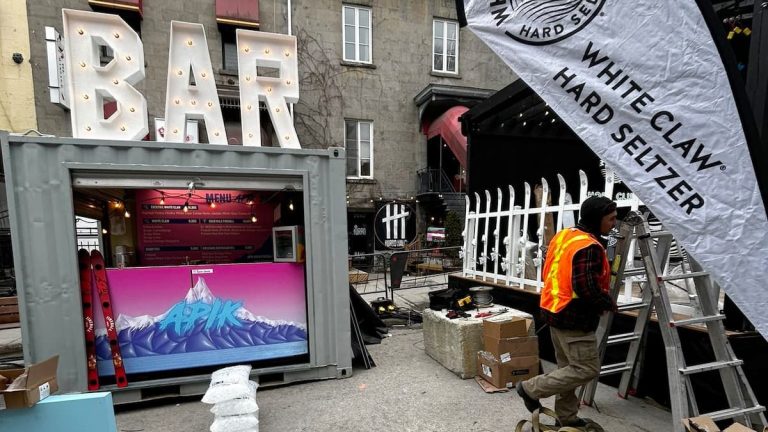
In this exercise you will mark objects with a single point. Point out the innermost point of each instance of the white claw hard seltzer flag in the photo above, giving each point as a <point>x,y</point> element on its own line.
<point>643,84</point>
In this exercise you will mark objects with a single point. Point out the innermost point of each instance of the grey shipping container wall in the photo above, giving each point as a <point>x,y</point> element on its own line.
<point>40,173</point>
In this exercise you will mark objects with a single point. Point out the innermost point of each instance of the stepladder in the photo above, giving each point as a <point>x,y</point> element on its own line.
<point>684,373</point>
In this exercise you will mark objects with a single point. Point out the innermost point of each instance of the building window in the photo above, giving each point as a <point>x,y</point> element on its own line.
<point>228,49</point>
<point>357,34</point>
<point>358,138</point>
<point>445,46</point>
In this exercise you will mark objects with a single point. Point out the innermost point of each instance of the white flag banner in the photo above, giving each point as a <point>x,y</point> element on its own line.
<point>643,84</point>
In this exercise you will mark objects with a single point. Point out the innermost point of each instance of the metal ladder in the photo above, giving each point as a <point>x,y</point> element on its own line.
<point>742,403</point>
<point>643,307</point>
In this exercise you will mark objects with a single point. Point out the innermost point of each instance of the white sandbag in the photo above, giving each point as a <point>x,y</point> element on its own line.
<point>238,423</point>
<point>237,406</point>
<point>231,375</point>
<point>227,384</point>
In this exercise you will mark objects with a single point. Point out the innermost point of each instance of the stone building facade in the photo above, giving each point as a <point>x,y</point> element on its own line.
<point>345,95</point>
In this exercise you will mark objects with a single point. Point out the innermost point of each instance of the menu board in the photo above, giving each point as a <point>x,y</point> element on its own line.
<point>218,227</point>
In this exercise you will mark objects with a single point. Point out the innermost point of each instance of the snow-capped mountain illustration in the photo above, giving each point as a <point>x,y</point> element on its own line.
<point>146,335</point>
<point>139,322</point>
<point>200,292</point>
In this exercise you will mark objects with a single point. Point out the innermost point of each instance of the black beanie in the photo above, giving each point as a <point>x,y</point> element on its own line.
<point>592,211</point>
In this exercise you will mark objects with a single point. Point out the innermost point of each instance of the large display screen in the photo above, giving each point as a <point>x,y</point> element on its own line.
<point>191,316</point>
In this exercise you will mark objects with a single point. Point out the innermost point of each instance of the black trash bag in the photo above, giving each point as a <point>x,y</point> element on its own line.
<point>450,298</point>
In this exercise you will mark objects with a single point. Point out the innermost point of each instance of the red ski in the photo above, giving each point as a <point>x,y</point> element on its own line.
<point>102,286</point>
<point>86,292</point>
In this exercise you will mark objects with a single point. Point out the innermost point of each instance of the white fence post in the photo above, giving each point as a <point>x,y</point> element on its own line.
<point>496,254</point>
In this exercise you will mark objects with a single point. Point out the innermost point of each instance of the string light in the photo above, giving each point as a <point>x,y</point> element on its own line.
<point>213,204</point>
<point>162,199</point>
<point>290,205</point>
<point>104,231</point>
<point>186,207</point>
<point>254,219</point>
<point>127,214</point>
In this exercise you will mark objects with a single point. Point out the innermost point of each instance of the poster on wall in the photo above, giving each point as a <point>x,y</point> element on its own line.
<point>183,317</point>
<point>218,227</point>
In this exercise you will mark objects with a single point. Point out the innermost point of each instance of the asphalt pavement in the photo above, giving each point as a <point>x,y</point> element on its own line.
<point>406,391</point>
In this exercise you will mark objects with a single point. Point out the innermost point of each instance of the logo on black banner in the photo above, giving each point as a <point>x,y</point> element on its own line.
<point>543,22</point>
<point>395,225</point>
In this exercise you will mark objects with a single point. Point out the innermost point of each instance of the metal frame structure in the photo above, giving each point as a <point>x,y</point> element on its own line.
<point>41,173</point>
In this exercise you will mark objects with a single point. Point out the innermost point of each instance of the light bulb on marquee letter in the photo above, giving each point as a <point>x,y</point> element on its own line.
<point>84,34</point>
<point>185,59</point>
<point>263,51</point>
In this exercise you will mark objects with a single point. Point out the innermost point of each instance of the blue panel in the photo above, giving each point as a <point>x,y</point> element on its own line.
<point>63,413</point>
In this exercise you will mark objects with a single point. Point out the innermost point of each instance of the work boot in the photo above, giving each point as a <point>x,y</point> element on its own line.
<point>531,404</point>
<point>583,423</point>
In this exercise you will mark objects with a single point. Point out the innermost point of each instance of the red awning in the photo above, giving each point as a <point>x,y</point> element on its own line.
<point>131,5</point>
<point>241,13</point>
<point>448,127</point>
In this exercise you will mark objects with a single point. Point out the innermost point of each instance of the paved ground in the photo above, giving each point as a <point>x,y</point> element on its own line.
<point>407,391</point>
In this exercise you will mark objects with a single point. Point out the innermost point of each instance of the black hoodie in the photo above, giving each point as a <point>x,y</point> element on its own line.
<point>591,215</point>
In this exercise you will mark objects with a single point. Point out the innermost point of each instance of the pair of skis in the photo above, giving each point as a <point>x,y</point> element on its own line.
<point>92,270</point>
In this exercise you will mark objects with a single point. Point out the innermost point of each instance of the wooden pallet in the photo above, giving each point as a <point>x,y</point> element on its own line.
<point>9,310</point>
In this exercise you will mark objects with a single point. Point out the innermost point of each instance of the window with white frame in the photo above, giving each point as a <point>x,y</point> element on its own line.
<point>358,139</point>
<point>357,34</point>
<point>445,46</point>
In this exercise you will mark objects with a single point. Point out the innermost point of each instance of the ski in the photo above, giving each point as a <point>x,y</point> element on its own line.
<point>102,286</point>
<point>86,292</point>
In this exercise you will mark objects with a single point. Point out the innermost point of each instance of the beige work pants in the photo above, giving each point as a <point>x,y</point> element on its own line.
<point>577,364</point>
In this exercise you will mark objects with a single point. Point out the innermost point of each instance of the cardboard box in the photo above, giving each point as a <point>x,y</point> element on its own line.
<point>505,349</point>
<point>700,424</point>
<point>40,383</point>
<point>506,327</point>
<point>503,375</point>
<point>706,424</point>
<point>738,427</point>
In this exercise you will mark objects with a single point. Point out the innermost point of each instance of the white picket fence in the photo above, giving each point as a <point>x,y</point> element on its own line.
<point>493,256</point>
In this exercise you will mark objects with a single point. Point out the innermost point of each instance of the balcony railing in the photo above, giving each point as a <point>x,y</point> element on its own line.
<point>434,180</point>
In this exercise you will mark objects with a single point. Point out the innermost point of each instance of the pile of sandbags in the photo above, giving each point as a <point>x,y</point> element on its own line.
<point>233,397</point>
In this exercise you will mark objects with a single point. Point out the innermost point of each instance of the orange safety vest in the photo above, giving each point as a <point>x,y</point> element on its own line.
<point>558,282</point>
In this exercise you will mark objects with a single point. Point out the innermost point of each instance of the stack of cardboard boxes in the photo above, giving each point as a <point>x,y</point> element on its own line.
<point>510,351</point>
<point>706,424</point>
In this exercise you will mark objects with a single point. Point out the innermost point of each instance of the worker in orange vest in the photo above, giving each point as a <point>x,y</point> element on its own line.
<point>575,294</point>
